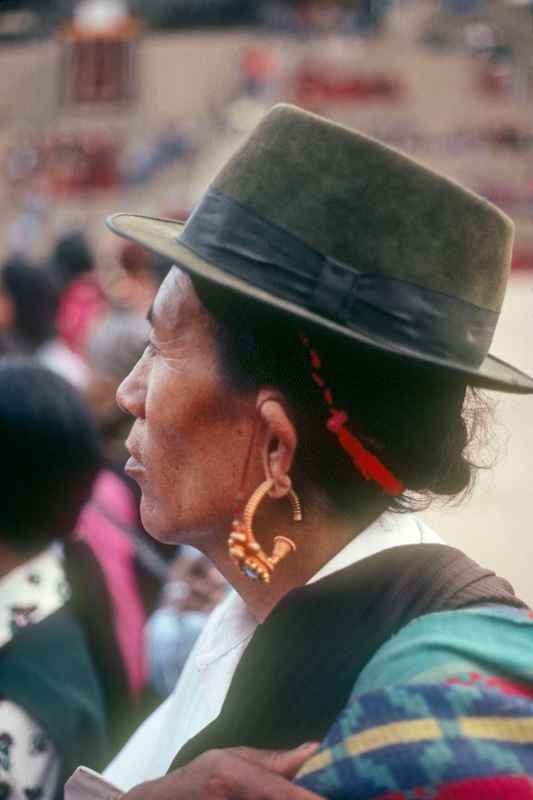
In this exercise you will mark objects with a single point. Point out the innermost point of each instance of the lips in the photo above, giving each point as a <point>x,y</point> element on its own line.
<point>133,468</point>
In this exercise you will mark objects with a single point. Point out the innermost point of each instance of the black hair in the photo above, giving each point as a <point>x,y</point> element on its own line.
<point>71,257</point>
<point>420,421</point>
<point>35,301</point>
<point>50,452</point>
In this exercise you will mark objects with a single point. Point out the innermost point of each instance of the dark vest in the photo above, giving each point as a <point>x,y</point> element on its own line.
<point>301,664</point>
<point>46,669</point>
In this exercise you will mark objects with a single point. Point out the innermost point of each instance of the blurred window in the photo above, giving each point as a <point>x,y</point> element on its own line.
<point>98,64</point>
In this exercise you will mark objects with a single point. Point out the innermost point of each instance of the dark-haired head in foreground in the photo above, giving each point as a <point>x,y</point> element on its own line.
<point>51,455</point>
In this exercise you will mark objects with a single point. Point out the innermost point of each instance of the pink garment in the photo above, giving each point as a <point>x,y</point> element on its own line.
<point>101,525</point>
<point>80,305</point>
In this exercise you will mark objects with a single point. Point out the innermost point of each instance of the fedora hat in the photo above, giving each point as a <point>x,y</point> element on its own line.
<point>340,230</point>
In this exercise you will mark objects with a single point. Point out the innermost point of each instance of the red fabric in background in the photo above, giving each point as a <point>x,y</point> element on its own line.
<point>522,259</point>
<point>102,526</point>
<point>501,787</point>
<point>80,305</point>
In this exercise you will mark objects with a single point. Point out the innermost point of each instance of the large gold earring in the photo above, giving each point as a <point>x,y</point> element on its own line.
<point>244,549</point>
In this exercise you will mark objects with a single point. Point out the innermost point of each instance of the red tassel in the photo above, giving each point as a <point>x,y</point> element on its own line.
<point>363,460</point>
<point>366,462</point>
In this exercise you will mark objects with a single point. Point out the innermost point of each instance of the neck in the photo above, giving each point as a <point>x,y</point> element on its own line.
<point>318,538</point>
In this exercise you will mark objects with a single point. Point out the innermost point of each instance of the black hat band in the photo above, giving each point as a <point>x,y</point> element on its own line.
<point>402,316</point>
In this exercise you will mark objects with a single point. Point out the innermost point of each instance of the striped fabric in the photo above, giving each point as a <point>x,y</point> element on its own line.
<point>467,734</point>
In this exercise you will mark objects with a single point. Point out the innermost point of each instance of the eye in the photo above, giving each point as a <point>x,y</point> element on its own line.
<point>151,348</point>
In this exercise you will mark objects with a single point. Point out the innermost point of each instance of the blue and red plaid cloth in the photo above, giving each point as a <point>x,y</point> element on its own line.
<point>444,711</point>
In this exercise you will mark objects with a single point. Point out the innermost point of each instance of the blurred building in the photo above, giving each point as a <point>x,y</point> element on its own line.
<point>136,106</point>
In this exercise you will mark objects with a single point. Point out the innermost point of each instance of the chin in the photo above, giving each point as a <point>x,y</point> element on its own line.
<point>154,522</point>
<point>168,532</point>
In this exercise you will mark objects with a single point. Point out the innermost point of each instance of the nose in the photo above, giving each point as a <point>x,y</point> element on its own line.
<point>131,393</point>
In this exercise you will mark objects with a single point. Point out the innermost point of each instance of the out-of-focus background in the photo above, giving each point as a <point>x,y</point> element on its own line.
<point>112,106</point>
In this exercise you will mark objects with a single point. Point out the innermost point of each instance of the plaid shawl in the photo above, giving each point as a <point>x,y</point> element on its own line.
<point>469,737</point>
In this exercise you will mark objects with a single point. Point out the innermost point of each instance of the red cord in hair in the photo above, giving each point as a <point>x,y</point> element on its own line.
<point>366,462</point>
<point>363,460</point>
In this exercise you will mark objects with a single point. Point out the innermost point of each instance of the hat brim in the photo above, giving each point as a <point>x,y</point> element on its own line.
<point>162,237</point>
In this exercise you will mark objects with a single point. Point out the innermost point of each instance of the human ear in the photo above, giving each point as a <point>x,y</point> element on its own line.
<point>279,440</point>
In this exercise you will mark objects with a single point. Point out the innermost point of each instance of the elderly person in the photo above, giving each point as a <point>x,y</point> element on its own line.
<point>312,371</point>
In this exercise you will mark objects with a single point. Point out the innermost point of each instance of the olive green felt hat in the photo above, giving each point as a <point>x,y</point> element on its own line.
<point>338,229</point>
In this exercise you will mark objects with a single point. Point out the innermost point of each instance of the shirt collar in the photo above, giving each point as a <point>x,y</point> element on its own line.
<point>232,623</point>
<point>32,592</point>
<point>388,530</point>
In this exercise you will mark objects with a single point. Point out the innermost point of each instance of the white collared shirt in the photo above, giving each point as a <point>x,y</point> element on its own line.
<point>204,682</point>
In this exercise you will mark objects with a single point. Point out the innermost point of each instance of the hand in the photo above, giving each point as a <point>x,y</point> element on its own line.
<point>239,773</point>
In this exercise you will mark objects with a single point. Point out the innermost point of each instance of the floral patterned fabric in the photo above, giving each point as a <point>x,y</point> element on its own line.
<point>29,762</point>
<point>31,592</point>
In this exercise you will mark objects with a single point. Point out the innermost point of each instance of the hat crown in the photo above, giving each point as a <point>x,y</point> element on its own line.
<point>342,232</point>
<point>368,206</point>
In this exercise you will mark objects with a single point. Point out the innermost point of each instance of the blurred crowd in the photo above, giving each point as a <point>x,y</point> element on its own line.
<point>293,16</point>
<point>97,617</point>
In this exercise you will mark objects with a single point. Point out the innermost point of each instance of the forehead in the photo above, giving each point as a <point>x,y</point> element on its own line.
<point>176,303</point>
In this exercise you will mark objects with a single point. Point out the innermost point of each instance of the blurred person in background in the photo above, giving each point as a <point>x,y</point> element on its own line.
<point>28,320</point>
<point>373,14</point>
<point>52,711</point>
<point>81,300</point>
<point>192,590</point>
<point>141,276</point>
<point>109,522</point>
<point>113,346</point>
<point>93,601</point>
